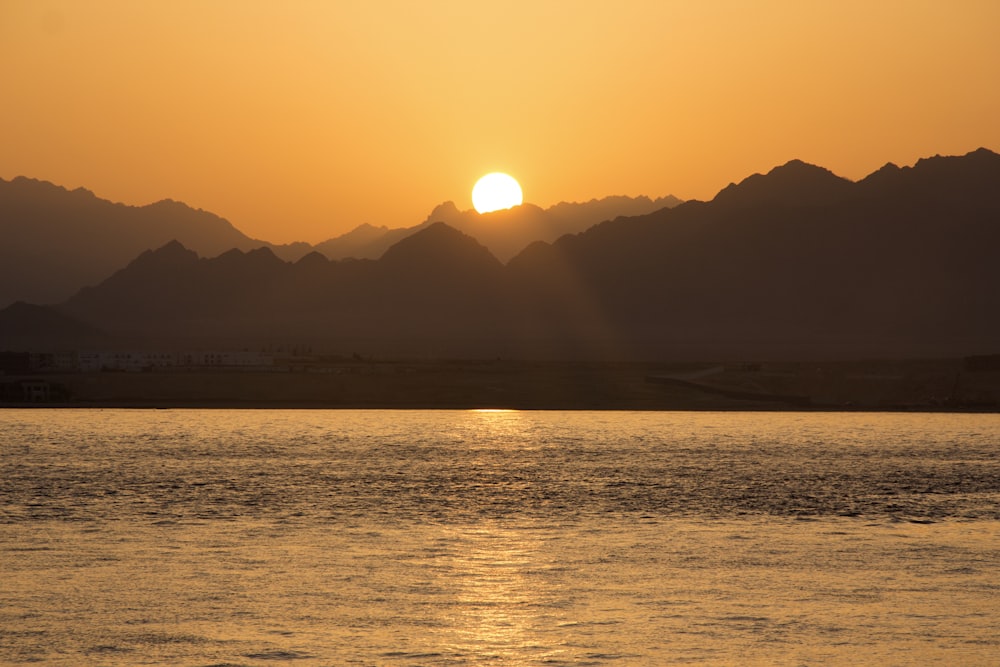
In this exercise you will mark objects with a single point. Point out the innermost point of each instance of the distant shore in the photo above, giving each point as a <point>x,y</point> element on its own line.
<point>918,385</point>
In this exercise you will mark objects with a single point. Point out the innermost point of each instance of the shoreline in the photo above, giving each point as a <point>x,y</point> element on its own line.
<point>418,407</point>
<point>945,386</point>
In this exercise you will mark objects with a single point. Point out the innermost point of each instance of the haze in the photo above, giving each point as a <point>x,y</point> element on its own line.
<point>301,121</point>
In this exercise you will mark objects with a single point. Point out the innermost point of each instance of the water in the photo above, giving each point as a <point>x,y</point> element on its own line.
<point>500,538</point>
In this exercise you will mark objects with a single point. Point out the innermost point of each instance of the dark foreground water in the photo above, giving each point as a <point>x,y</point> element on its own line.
<point>498,538</point>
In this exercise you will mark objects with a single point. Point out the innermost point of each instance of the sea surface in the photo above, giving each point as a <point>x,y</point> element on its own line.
<point>296,537</point>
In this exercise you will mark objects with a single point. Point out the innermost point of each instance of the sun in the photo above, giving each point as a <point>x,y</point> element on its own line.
<point>496,191</point>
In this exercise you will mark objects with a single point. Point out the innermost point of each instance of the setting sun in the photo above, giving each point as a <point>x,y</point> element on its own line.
<point>720,382</point>
<point>496,191</point>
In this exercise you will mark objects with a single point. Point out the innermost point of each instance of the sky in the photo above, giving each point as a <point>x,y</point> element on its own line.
<point>298,121</point>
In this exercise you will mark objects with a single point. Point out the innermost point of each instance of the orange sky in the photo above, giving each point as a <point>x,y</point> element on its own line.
<point>301,120</point>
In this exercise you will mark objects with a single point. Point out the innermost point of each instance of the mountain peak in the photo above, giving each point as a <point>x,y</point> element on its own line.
<point>264,253</point>
<point>258,258</point>
<point>173,206</point>
<point>794,183</point>
<point>444,212</point>
<point>39,191</point>
<point>311,259</point>
<point>978,158</point>
<point>983,153</point>
<point>884,176</point>
<point>173,252</point>
<point>974,174</point>
<point>797,170</point>
<point>438,245</point>
<point>174,247</point>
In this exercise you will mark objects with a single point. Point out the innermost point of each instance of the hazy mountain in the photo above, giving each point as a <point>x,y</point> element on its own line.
<point>505,233</point>
<point>796,263</point>
<point>53,241</point>
<point>25,326</point>
<point>364,242</point>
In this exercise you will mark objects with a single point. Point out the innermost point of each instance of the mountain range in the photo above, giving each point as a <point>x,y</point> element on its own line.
<point>797,263</point>
<point>504,232</point>
<point>56,241</point>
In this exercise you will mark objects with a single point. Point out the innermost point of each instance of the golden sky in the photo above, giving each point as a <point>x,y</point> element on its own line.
<point>300,120</point>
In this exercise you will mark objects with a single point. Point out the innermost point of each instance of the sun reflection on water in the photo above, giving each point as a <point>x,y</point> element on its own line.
<point>504,594</point>
<point>498,428</point>
<point>504,600</point>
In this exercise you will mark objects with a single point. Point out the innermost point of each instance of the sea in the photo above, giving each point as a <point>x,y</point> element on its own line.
<point>438,538</point>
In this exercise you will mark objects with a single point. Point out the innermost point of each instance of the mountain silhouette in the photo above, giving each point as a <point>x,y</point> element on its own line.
<point>29,327</point>
<point>799,262</point>
<point>436,283</point>
<point>794,183</point>
<point>504,232</point>
<point>439,250</point>
<point>364,242</point>
<point>56,240</point>
<point>793,264</point>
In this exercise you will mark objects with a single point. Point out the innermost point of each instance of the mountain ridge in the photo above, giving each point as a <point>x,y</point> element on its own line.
<point>504,232</point>
<point>57,240</point>
<point>905,265</point>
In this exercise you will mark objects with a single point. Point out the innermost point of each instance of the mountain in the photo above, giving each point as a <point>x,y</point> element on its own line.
<point>439,250</point>
<point>55,240</point>
<point>364,242</point>
<point>505,232</point>
<point>793,264</point>
<point>430,285</point>
<point>25,326</point>
<point>796,263</point>
<point>794,183</point>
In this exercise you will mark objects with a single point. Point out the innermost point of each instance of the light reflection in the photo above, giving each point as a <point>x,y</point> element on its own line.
<point>505,597</point>
<point>507,586</point>
<point>497,428</point>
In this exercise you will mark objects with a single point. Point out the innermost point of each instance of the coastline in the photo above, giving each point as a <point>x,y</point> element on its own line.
<point>890,386</point>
